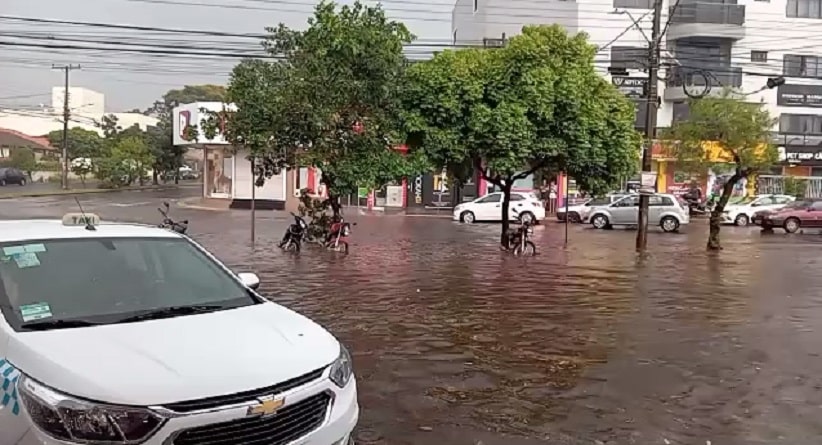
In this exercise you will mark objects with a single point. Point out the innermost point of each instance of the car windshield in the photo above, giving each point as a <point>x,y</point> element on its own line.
<point>107,280</point>
<point>798,204</point>
<point>746,200</point>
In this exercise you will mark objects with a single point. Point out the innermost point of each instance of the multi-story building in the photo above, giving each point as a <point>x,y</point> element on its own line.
<point>728,43</point>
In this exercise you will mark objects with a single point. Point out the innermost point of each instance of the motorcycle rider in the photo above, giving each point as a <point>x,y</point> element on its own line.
<point>694,194</point>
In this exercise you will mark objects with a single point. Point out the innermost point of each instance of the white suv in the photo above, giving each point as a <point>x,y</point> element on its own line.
<point>489,208</point>
<point>742,213</point>
<point>664,210</point>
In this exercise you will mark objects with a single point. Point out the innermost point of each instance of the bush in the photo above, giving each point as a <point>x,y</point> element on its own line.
<point>794,186</point>
<point>48,166</point>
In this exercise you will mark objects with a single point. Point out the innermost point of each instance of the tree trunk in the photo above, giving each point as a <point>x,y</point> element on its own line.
<point>506,204</point>
<point>716,214</point>
<point>333,200</point>
<point>154,177</point>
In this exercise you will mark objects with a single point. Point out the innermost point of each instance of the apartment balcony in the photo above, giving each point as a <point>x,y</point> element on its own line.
<point>712,20</point>
<point>697,79</point>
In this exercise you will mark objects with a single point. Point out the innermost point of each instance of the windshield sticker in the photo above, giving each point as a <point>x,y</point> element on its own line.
<point>27,248</point>
<point>8,387</point>
<point>27,259</point>
<point>36,311</point>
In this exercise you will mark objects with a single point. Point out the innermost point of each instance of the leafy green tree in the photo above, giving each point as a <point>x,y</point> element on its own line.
<point>82,143</point>
<point>128,162</point>
<point>22,158</point>
<point>535,104</point>
<point>335,102</point>
<point>729,129</point>
<point>167,156</point>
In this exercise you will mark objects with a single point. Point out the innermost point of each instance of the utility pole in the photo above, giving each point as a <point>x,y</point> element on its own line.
<point>66,114</point>
<point>650,121</point>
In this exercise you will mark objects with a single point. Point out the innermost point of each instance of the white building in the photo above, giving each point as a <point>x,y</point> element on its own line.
<point>226,170</point>
<point>87,109</point>
<point>740,43</point>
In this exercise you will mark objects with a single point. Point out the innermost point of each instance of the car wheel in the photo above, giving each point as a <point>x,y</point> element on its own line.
<point>792,225</point>
<point>527,218</point>
<point>669,224</point>
<point>2,182</point>
<point>467,217</point>
<point>574,217</point>
<point>741,220</point>
<point>599,222</point>
<point>23,182</point>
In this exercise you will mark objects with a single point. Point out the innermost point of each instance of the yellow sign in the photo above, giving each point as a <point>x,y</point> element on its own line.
<point>268,405</point>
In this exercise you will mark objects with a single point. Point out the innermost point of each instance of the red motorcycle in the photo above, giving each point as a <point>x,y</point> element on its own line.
<point>337,239</point>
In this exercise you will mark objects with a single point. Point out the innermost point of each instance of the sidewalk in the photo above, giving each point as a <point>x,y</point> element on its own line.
<point>23,192</point>
<point>209,204</point>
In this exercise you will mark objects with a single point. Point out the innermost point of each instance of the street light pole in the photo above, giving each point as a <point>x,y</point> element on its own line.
<point>650,121</point>
<point>66,114</point>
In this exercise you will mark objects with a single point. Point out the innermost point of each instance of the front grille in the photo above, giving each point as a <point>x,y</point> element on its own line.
<point>288,424</point>
<point>245,396</point>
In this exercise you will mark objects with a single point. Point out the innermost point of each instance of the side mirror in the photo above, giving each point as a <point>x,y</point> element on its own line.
<point>755,204</point>
<point>250,280</point>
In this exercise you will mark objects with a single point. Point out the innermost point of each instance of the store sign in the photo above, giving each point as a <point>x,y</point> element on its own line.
<point>631,86</point>
<point>800,154</point>
<point>799,96</point>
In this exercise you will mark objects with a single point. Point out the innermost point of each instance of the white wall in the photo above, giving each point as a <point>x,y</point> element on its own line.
<point>43,122</point>
<point>190,115</point>
<point>273,189</point>
<point>80,100</point>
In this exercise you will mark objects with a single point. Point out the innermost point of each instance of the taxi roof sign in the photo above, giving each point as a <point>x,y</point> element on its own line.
<point>81,219</point>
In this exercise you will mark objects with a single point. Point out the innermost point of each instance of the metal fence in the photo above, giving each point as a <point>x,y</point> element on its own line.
<point>767,184</point>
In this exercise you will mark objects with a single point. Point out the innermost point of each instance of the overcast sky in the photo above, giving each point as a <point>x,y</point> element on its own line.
<point>136,80</point>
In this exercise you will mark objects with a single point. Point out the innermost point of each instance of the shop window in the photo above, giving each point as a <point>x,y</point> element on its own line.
<point>816,171</point>
<point>301,181</point>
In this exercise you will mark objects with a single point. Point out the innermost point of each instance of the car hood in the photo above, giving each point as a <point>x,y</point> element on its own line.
<point>574,208</point>
<point>176,359</point>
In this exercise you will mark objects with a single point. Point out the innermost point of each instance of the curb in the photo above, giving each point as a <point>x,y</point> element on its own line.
<point>89,191</point>
<point>184,205</point>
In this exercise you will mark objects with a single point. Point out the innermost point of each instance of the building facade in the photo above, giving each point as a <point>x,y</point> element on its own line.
<point>709,45</point>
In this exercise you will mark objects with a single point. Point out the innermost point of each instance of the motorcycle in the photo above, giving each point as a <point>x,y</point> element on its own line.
<point>697,207</point>
<point>337,239</point>
<point>519,239</point>
<point>168,223</point>
<point>295,235</point>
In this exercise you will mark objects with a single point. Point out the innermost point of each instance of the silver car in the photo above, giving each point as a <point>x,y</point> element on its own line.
<point>664,210</point>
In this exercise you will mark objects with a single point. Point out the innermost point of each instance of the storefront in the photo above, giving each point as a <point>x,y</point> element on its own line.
<point>436,191</point>
<point>673,179</point>
<point>227,171</point>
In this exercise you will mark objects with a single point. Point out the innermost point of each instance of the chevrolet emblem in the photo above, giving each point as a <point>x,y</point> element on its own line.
<point>268,406</point>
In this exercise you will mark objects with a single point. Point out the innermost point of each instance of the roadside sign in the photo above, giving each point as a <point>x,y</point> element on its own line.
<point>631,86</point>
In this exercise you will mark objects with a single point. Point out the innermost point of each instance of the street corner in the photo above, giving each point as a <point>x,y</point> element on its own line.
<point>207,204</point>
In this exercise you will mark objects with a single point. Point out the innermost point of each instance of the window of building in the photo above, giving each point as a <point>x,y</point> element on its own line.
<point>476,5</point>
<point>816,171</point>
<point>759,56</point>
<point>801,66</point>
<point>805,9</point>
<point>800,124</point>
<point>629,57</point>
<point>634,4</point>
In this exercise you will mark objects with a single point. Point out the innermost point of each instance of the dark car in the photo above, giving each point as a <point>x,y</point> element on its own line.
<point>806,212</point>
<point>12,176</point>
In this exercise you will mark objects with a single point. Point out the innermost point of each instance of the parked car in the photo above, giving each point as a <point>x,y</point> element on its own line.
<point>577,212</point>
<point>664,209</point>
<point>12,176</point>
<point>806,212</point>
<point>489,208</point>
<point>742,213</point>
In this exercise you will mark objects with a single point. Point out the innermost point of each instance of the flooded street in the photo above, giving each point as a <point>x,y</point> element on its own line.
<point>456,342</point>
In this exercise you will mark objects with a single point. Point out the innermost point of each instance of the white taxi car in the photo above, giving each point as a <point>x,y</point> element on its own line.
<point>129,334</point>
<point>489,208</point>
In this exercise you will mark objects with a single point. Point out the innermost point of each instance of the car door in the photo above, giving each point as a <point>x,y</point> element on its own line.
<point>813,217</point>
<point>655,209</point>
<point>16,175</point>
<point>488,208</point>
<point>625,211</point>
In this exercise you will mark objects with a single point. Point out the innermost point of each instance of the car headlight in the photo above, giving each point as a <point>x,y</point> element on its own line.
<point>73,420</point>
<point>342,369</point>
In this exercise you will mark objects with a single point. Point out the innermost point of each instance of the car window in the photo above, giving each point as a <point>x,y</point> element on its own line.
<point>517,197</point>
<point>630,201</point>
<point>660,201</point>
<point>494,197</point>
<point>117,278</point>
<point>816,206</point>
<point>782,199</point>
<point>764,201</point>
<point>598,202</point>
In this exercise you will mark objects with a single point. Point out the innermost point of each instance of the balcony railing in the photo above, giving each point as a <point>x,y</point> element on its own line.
<point>714,13</point>
<point>717,76</point>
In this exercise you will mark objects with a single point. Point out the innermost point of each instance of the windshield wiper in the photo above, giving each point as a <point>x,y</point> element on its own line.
<point>57,324</point>
<point>173,311</point>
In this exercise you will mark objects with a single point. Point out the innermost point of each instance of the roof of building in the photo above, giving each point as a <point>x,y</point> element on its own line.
<point>44,229</point>
<point>13,138</point>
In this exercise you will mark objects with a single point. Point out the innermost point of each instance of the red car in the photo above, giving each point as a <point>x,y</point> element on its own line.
<point>802,213</point>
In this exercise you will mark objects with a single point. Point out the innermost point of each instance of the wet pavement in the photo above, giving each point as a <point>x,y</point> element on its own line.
<point>457,343</point>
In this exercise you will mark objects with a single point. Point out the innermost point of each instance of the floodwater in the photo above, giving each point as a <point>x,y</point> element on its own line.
<point>455,342</point>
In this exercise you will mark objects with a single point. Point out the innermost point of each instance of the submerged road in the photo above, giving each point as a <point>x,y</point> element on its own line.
<point>457,343</point>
